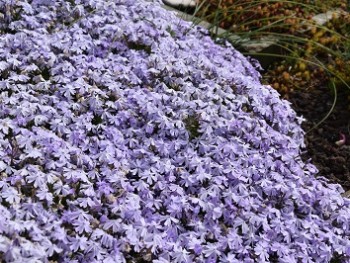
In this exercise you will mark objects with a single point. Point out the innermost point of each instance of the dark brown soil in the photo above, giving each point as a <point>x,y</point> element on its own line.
<point>332,160</point>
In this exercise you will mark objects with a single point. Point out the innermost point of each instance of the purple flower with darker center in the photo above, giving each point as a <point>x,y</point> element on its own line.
<point>127,135</point>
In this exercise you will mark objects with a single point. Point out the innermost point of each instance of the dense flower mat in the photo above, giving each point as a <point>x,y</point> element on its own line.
<point>127,135</point>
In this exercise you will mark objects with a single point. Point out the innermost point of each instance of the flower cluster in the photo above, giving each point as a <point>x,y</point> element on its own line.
<point>127,135</point>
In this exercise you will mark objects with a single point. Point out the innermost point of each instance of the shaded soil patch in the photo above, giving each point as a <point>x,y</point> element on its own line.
<point>332,161</point>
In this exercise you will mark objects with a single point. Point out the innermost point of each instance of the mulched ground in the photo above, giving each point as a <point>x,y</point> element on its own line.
<point>333,161</point>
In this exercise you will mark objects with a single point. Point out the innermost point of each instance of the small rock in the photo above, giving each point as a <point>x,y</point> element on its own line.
<point>182,3</point>
<point>346,194</point>
<point>323,18</point>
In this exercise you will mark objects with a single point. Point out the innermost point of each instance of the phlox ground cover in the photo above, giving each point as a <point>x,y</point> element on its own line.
<point>127,135</point>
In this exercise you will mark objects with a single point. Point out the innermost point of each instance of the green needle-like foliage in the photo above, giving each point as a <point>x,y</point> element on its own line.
<point>307,55</point>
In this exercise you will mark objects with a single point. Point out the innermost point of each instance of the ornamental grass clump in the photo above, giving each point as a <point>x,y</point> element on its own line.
<point>311,39</point>
<point>127,135</point>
